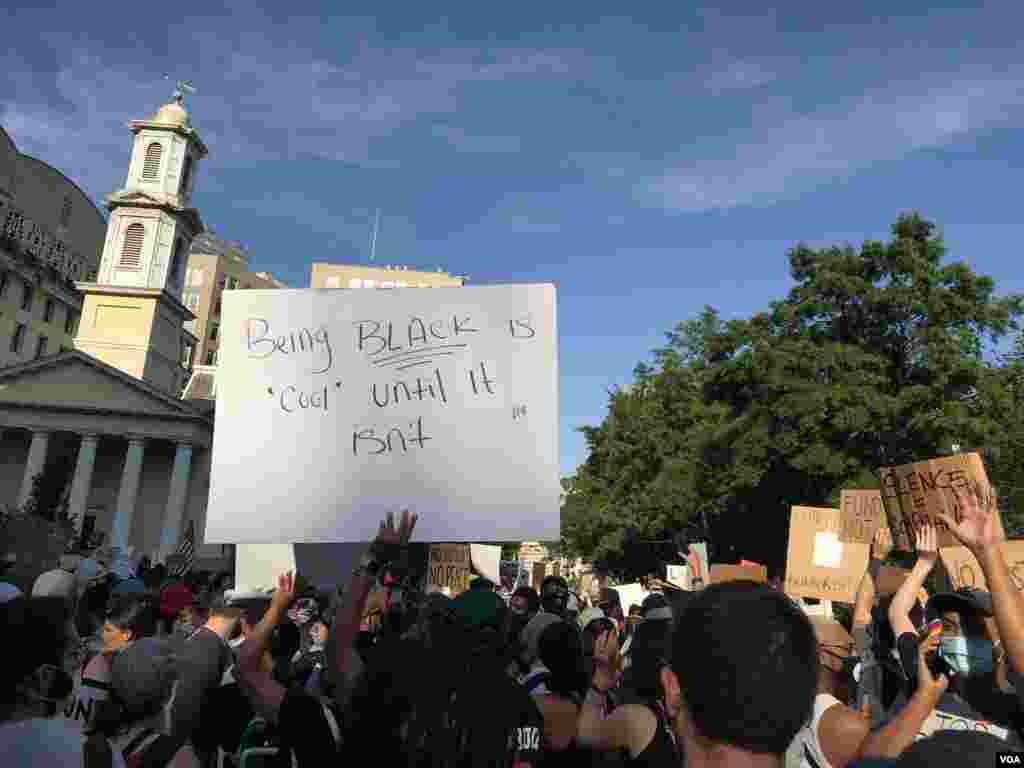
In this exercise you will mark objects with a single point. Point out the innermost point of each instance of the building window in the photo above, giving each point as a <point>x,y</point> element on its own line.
<point>151,165</point>
<point>18,340</point>
<point>197,277</point>
<point>186,174</point>
<point>216,306</point>
<point>355,282</point>
<point>41,346</point>
<point>131,252</point>
<point>69,322</point>
<point>48,311</point>
<point>65,212</point>
<point>211,357</point>
<point>214,331</point>
<point>221,282</point>
<point>26,298</point>
<point>4,279</point>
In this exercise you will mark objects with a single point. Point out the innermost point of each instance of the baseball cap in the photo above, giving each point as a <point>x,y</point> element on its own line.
<point>964,600</point>
<point>142,675</point>
<point>479,608</point>
<point>656,607</point>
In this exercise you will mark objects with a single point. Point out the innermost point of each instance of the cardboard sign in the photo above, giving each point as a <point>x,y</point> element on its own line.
<point>538,574</point>
<point>336,407</point>
<point>701,550</point>
<point>818,564</point>
<point>863,514</point>
<point>890,579</point>
<point>965,571</point>
<point>449,566</point>
<point>678,575</point>
<point>914,494</point>
<point>721,572</point>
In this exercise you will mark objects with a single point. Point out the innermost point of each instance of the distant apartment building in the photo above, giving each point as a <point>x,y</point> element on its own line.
<point>215,266</point>
<point>361,276</point>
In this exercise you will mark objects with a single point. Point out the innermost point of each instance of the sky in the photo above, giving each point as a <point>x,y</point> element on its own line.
<point>647,164</point>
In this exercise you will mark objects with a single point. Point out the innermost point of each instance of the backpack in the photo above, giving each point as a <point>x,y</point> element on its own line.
<point>98,752</point>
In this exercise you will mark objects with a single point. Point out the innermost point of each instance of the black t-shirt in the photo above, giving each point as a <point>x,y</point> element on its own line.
<point>309,728</point>
<point>968,704</point>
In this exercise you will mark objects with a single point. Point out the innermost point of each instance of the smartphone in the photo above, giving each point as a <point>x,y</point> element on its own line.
<point>931,630</point>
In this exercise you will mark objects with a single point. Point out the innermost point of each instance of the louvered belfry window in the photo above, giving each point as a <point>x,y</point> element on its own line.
<point>131,252</point>
<point>151,165</point>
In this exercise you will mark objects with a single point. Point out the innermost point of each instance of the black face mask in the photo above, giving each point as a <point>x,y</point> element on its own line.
<point>555,599</point>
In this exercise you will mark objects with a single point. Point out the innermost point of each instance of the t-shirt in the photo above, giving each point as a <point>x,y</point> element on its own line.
<point>978,706</point>
<point>309,728</point>
<point>91,685</point>
<point>45,743</point>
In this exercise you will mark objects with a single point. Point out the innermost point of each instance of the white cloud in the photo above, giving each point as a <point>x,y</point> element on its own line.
<point>785,156</point>
<point>259,100</point>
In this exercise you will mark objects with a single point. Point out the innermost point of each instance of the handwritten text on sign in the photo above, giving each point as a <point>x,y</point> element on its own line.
<point>965,571</point>
<point>450,567</point>
<point>914,494</point>
<point>335,407</point>
<point>863,514</point>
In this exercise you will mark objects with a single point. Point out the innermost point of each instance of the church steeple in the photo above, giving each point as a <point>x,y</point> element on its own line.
<point>132,316</point>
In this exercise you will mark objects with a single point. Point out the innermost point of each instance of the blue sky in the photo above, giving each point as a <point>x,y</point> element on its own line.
<point>647,165</point>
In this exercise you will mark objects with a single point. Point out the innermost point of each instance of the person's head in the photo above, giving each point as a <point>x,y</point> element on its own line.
<point>34,645</point>
<point>224,618</point>
<point>554,595</point>
<point>560,649</point>
<point>128,618</point>
<point>525,602</point>
<point>656,608</point>
<point>953,749</point>
<point>482,583</point>
<point>743,674</point>
<point>530,636</point>
<point>965,645</point>
<point>649,654</point>
<point>142,679</point>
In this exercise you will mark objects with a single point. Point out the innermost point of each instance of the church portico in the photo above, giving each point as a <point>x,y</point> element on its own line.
<point>136,474</point>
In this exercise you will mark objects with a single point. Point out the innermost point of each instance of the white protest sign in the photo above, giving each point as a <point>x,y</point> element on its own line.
<point>487,561</point>
<point>336,407</point>
<point>678,575</point>
<point>258,566</point>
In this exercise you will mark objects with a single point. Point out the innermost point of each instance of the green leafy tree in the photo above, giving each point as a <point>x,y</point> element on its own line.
<point>874,358</point>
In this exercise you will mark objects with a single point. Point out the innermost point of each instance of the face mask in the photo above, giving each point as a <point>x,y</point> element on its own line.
<point>185,628</point>
<point>967,656</point>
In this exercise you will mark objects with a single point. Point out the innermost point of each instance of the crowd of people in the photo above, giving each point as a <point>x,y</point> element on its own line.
<point>162,671</point>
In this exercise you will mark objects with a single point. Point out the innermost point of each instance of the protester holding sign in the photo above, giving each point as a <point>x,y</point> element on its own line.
<point>978,530</point>
<point>967,654</point>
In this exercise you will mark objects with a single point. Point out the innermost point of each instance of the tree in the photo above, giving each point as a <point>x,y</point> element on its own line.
<point>873,359</point>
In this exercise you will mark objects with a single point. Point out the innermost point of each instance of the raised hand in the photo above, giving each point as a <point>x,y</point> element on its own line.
<point>285,592</point>
<point>881,545</point>
<point>977,529</point>
<point>927,545</point>
<point>388,534</point>
<point>607,661</point>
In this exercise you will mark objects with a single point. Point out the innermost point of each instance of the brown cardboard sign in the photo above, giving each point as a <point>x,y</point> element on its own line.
<point>890,579</point>
<point>450,566</point>
<point>863,514</point>
<point>721,572</point>
<point>965,571</point>
<point>818,564</point>
<point>914,494</point>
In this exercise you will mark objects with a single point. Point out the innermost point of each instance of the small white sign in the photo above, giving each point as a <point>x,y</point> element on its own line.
<point>828,550</point>
<point>335,407</point>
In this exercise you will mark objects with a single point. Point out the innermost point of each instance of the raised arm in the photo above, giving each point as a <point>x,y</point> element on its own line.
<point>977,530</point>
<point>906,595</point>
<point>868,589</point>
<point>387,547</point>
<point>265,693</point>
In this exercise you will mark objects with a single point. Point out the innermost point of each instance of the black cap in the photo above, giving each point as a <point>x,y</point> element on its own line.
<point>966,600</point>
<point>656,607</point>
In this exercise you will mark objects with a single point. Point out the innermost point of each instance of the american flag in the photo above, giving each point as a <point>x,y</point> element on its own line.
<point>186,552</point>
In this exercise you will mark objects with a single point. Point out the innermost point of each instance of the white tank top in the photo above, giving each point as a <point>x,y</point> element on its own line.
<point>810,747</point>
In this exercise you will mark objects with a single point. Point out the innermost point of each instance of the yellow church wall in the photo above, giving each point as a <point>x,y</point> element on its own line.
<point>122,318</point>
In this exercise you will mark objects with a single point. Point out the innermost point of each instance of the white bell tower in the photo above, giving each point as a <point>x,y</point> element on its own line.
<point>152,223</point>
<point>132,316</point>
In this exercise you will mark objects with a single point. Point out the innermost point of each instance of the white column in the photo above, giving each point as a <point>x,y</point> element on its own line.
<point>121,532</point>
<point>33,465</point>
<point>176,501</point>
<point>82,481</point>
